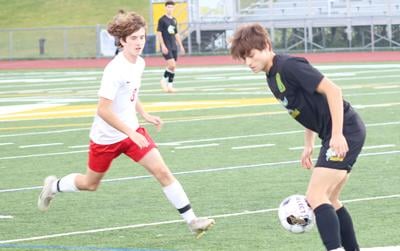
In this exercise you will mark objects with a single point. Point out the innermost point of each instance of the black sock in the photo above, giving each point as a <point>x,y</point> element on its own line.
<point>349,240</point>
<point>171,77</point>
<point>166,74</point>
<point>328,226</point>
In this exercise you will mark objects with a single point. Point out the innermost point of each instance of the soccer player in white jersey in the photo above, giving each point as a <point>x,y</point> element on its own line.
<point>116,130</point>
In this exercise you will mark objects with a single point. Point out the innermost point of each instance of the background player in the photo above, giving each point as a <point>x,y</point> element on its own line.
<point>168,36</point>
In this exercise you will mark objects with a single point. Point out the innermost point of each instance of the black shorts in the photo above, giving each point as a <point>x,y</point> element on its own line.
<point>172,54</point>
<point>354,132</point>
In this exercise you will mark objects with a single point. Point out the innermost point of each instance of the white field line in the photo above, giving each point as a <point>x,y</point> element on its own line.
<point>375,105</point>
<point>41,155</point>
<point>41,145</point>
<point>251,146</point>
<point>179,121</point>
<point>6,216</point>
<point>364,147</point>
<point>302,147</point>
<point>80,146</point>
<point>169,143</point>
<point>390,248</point>
<point>196,146</point>
<point>245,212</point>
<point>6,144</point>
<point>379,146</point>
<point>206,170</point>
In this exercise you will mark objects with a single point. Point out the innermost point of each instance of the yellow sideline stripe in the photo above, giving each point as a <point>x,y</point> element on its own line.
<point>75,111</point>
<point>167,120</point>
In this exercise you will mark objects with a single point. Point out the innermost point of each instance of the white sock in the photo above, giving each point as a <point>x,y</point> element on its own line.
<point>65,184</point>
<point>177,196</point>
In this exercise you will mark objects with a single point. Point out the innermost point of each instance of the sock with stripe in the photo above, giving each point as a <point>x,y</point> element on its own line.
<point>177,196</point>
<point>65,184</point>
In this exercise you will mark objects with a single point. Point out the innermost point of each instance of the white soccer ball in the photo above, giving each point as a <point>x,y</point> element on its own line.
<point>296,215</point>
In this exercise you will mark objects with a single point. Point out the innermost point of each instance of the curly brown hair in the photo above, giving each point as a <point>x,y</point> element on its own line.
<point>248,37</point>
<point>124,24</point>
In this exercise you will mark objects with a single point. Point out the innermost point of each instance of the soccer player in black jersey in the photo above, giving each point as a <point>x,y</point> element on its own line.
<point>168,36</point>
<point>316,103</point>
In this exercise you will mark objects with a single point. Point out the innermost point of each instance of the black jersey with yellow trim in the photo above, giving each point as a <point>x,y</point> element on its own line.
<point>293,82</point>
<point>168,28</point>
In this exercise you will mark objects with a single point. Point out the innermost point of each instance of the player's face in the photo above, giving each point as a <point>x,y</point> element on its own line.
<point>169,9</point>
<point>134,44</point>
<point>258,60</point>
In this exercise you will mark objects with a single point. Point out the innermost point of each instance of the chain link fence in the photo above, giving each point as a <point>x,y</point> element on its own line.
<point>201,39</point>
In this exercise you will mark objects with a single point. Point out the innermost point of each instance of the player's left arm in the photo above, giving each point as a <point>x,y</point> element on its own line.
<point>179,41</point>
<point>155,120</point>
<point>333,94</point>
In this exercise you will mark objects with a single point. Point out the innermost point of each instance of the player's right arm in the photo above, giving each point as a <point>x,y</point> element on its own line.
<point>306,156</point>
<point>164,48</point>
<point>104,110</point>
<point>160,28</point>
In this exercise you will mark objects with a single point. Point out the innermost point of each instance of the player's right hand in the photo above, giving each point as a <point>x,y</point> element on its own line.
<point>139,140</point>
<point>306,160</point>
<point>164,50</point>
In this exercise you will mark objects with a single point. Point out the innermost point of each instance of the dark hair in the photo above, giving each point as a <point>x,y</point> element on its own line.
<point>124,24</point>
<point>169,3</point>
<point>248,37</point>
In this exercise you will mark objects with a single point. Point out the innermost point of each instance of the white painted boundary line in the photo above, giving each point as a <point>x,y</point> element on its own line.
<point>6,144</point>
<point>41,155</point>
<point>196,146</point>
<point>41,145</point>
<point>207,170</point>
<point>251,146</point>
<point>172,221</point>
<point>391,248</point>
<point>379,146</point>
<point>6,217</point>
<point>364,148</point>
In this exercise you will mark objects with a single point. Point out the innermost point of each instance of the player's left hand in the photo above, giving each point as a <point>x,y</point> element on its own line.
<point>155,120</point>
<point>339,145</point>
<point>182,50</point>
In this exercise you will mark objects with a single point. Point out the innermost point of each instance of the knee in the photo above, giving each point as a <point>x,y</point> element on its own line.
<point>336,203</point>
<point>172,67</point>
<point>314,200</point>
<point>164,176</point>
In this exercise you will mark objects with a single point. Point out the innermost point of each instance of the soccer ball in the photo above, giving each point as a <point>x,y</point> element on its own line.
<point>296,215</point>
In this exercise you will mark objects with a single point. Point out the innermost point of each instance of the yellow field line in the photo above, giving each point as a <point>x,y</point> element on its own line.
<point>75,111</point>
<point>166,120</point>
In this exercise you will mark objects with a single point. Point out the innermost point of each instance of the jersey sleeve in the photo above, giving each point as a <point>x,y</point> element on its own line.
<point>301,73</point>
<point>109,84</point>
<point>160,25</point>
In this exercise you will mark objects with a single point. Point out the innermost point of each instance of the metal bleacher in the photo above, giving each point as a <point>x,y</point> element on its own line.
<point>290,9</point>
<point>310,25</point>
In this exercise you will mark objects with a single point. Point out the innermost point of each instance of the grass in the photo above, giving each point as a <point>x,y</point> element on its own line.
<point>43,13</point>
<point>219,180</point>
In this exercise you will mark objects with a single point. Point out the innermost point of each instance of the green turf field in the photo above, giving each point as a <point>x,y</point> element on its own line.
<point>233,148</point>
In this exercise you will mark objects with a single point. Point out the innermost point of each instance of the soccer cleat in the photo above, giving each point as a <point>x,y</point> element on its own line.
<point>46,195</point>
<point>199,226</point>
<point>171,89</point>
<point>164,86</point>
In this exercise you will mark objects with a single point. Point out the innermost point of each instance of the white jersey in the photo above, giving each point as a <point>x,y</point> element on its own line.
<point>120,83</point>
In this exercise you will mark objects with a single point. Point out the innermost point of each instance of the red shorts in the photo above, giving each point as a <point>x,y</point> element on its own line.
<point>101,156</point>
